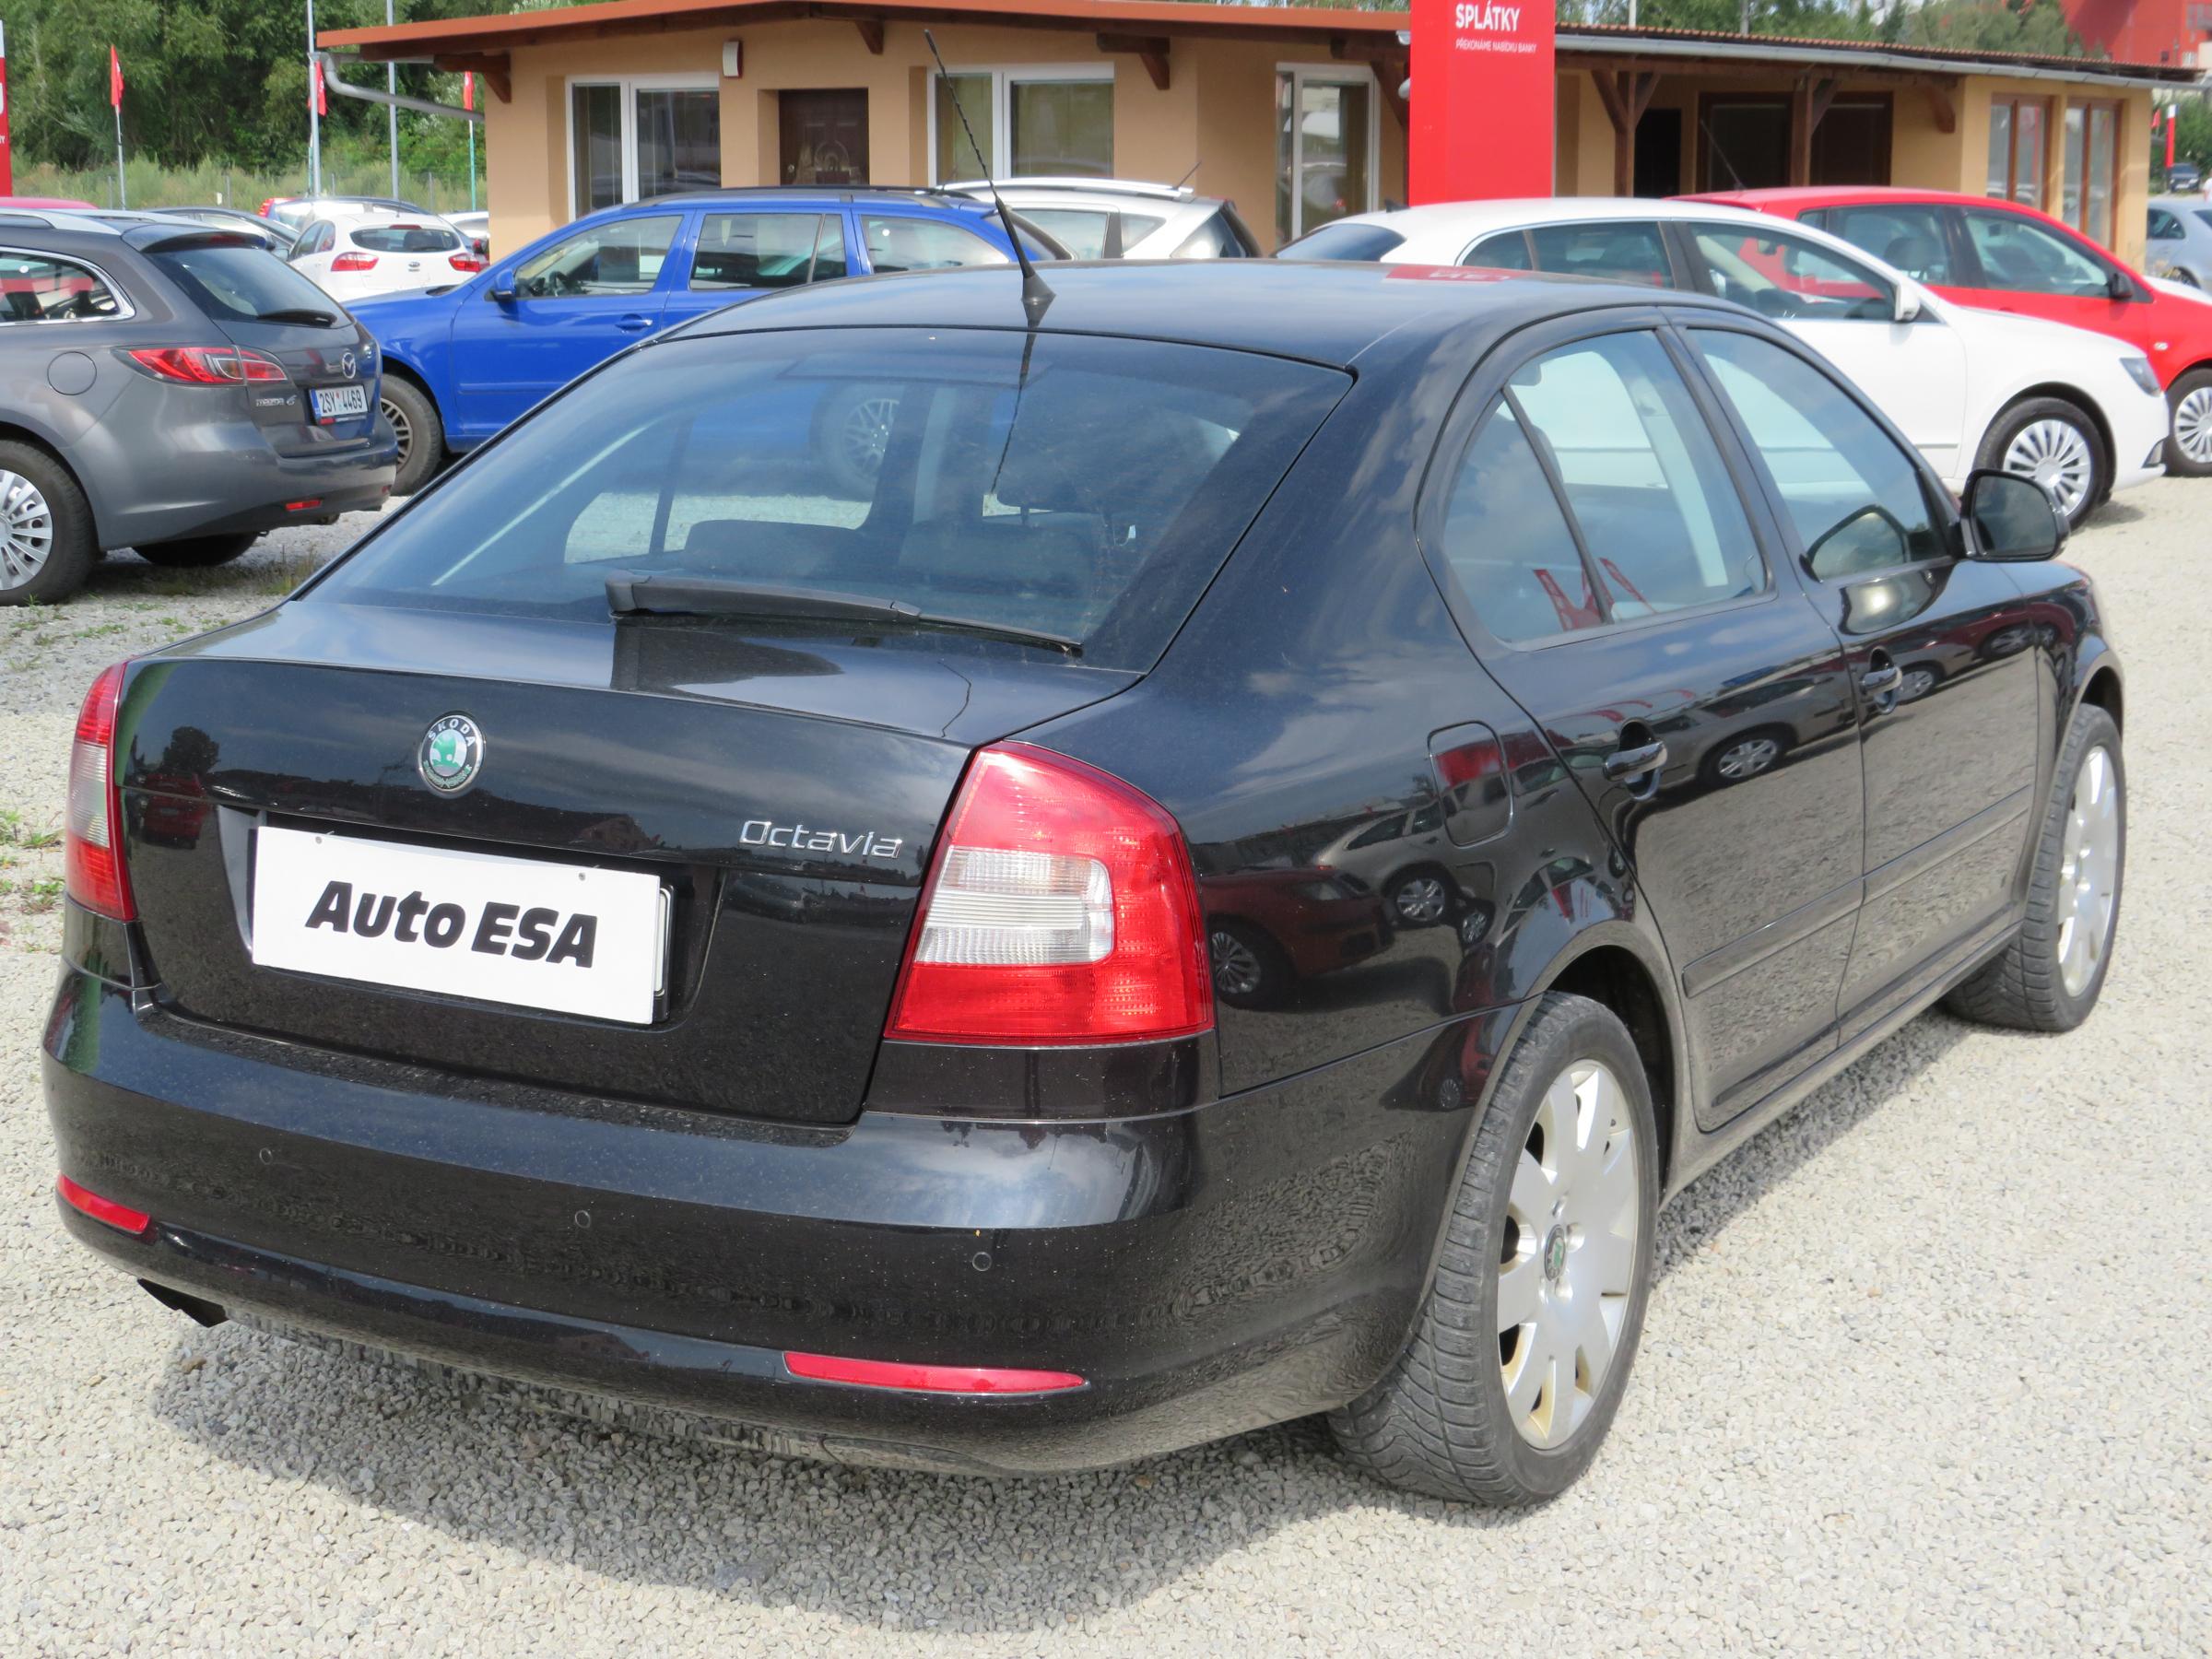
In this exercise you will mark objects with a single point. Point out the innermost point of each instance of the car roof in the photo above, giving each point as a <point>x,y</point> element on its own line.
<point>1335,314</point>
<point>1438,218</point>
<point>889,194</point>
<point>1786,199</point>
<point>1114,190</point>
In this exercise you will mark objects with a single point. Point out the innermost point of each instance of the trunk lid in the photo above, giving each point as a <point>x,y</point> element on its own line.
<point>783,793</point>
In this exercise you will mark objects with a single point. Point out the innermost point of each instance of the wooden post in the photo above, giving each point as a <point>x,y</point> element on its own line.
<point>1625,94</point>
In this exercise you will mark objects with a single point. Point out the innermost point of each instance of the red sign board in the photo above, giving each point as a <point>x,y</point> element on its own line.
<point>1481,101</point>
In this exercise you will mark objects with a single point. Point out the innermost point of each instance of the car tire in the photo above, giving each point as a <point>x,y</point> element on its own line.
<point>2189,439</point>
<point>46,548</point>
<point>1422,898</point>
<point>1462,1415</point>
<point>2058,445</point>
<point>1250,970</point>
<point>198,552</point>
<point>421,434</point>
<point>2049,977</point>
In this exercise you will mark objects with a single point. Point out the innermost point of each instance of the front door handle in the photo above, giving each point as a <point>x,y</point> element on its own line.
<point>635,323</point>
<point>1634,763</point>
<point>1886,681</point>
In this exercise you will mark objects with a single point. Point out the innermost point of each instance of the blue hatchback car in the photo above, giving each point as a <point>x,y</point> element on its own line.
<point>463,360</point>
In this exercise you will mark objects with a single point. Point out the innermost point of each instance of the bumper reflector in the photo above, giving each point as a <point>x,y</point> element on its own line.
<point>101,1209</point>
<point>928,1378</point>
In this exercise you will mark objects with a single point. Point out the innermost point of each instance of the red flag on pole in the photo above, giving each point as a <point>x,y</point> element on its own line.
<point>468,89</point>
<point>320,93</point>
<point>114,78</point>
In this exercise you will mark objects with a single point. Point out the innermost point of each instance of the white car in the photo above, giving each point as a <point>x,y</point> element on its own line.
<point>2080,413</point>
<point>377,251</point>
<point>1122,218</point>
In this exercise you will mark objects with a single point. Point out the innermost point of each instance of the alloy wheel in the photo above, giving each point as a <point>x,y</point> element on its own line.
<point>1747,758</point>
<point>2088,873</point>
<point>866,434</point>
<point>1237,970</point>
<point>1422,900</point>
<point>1917,683</point>
<point>401,427</point>
<point>1567,1266</point>
<point>2056,455</point>
<point>26,529</point>
<point>2193,426</point>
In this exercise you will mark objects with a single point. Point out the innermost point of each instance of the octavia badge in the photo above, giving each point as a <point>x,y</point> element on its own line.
<point>450,754</point>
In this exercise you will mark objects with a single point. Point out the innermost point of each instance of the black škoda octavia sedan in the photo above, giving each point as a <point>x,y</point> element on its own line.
<point>923,967</point>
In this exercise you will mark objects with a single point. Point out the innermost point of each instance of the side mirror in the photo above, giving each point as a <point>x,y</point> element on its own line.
<point>1904,305</point>
<point>2011,518</point>
<point>502,285</point>
<point>2121,286</point>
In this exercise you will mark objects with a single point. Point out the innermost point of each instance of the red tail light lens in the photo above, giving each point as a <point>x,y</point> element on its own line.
<point>120,1216</point>
<point>354,262</point>
<point>92,859</point>
<point>207,365</point>
<point>928,1378</point>
<point>465,262</point>
<point>1060,909</point>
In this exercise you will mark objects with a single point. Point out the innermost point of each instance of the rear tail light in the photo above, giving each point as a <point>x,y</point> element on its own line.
<point>354,262</point>
<point>1060,909</point>
<point>928,1378</point>
<point>120,1216</point>
<point>207,365</point>
<point>465,262</point>
<point>92,858</point>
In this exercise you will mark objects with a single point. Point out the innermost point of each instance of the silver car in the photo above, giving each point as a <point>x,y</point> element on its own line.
<point>1123,218</point>
<point>2179,246</point>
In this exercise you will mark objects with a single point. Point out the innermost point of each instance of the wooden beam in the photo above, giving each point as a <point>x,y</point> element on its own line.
<point>494,67</point>
<point>1824,94</point>
<point>1800,131</point>
<point>1945,109</point>
<point>1625,94</point>
<point>1391,74</point>
<point>871,34</point>
<point>1149,50</point>
<point>1364,49</point>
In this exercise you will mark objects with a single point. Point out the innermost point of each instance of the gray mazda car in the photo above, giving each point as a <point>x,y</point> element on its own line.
<point>175,388</point>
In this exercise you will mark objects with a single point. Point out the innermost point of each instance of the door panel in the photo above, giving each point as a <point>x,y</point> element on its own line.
<point>577,300</point>
<point>1642,619</point>
<point>1938,652</point>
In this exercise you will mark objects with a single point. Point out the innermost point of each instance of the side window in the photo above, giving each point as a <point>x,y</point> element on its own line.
<point>1508,251</point>
<point>1853,493</point>
<point>623,257</point>
<point>2026,257</point>
<point>2164,226</point>
<point>767,249</point>
<point>1645,481</point>
<point>1780,275</point>
<point>920,244</point>
<point>1619,251</point>
<point>1908,236</point>
<point>1653,505</point>
<point>35,287</point>
<point>1215,237</point>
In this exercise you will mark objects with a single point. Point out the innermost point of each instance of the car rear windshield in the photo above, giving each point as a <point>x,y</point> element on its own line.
<point>1082,487</point>
<point>236,281</point>
<point>1368,242</point>
<point>405,239</point>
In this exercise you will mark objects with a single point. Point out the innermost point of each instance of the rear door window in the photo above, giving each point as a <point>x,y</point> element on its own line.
<point>1908,236</point>
<point>40,287</point>
<point>1508,251</point>
<point>1078,486</point>
<point>768,250</point>
<point>1083,231</point>
<point>1615,249</point>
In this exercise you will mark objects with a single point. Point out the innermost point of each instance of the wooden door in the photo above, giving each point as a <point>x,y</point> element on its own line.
<point>823,136</point>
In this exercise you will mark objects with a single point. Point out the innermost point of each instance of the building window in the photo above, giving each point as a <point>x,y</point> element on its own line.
<point>1051,121</point>
<point>1746,141</point>
<point>2017,132</point>
<point>2087,144</point>
<point>630,140</point>
<point>1325,139</point>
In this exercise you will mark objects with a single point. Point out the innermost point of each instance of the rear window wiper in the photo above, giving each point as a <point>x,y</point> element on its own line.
<point>297,314</point>
<point>630,594</point>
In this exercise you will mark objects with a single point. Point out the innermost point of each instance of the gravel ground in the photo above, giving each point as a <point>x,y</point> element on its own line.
<point>1925,1368</point>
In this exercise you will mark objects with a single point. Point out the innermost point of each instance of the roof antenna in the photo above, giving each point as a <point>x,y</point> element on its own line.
<point>1192,175</point>
<point>1035,295</point>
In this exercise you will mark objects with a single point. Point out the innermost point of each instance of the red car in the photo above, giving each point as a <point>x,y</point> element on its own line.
<point>2002,256</point>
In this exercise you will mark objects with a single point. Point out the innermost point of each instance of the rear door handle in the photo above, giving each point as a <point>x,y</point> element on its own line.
<point>1884,681</point>
<point>1635,762</point>
<point>636,321</point>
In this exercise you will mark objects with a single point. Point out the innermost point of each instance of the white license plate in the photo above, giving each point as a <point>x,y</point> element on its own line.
<point>504,930</point>
<point>334,403</point>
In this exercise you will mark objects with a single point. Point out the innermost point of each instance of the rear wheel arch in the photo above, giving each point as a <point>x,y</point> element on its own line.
<point>2103,690</point>
<point>1623,982</point>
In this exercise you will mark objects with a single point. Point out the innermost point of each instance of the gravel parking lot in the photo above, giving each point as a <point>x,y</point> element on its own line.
<point>1926,1368</point>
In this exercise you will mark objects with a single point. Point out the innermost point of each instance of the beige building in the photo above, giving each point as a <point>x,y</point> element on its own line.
<point>1299,114</point>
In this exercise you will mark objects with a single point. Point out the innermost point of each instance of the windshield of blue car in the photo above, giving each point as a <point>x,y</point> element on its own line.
<point>1071,486</point>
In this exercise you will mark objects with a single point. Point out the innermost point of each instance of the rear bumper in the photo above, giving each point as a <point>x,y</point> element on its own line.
<point>1205,1272</point>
